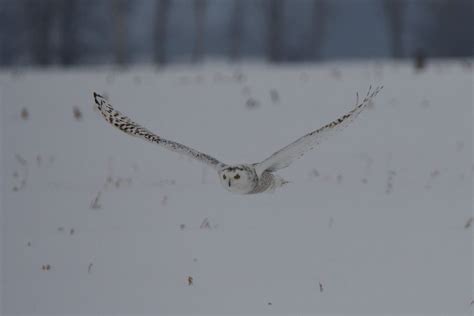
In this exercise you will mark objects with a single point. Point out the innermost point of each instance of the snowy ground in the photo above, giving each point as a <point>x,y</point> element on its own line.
<point>377,220</point>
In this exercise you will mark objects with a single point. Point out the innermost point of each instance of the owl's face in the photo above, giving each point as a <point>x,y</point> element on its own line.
<point>238,179</point>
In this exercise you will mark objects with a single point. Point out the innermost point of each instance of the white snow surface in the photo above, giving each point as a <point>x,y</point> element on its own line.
<point>375,220</point>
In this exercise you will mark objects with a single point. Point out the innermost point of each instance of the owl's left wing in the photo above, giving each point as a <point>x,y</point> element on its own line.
<point>285,156</point>
<point>126,125</point>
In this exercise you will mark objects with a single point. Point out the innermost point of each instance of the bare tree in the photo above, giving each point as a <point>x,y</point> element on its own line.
<point>274,29</point>
<point>394,10</point>
<point>40,16</point>
<point>161,22</point>
<point>68,50</point>
<point>236,25</point>
<point>119,11</point>
<point>318,28</point>
<point>200,18</point>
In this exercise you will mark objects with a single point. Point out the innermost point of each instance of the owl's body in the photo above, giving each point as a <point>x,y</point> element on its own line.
<point>242,178</point>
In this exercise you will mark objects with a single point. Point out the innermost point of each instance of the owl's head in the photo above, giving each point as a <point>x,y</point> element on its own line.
<point>238,179</point>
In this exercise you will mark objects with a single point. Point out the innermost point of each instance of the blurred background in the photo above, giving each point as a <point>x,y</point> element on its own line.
<point>126,32</point>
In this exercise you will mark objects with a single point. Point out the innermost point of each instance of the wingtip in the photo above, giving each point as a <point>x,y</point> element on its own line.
<point>97,98</point>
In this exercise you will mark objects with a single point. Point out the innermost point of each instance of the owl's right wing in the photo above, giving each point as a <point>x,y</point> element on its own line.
<point>285,156</point>
<point>128,126</point>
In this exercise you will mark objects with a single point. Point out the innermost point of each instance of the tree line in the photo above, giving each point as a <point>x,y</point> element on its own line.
<point>73,32</point>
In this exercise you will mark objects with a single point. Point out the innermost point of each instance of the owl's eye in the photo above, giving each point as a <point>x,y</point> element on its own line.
<point>224,177</point>
<point>237,176</point>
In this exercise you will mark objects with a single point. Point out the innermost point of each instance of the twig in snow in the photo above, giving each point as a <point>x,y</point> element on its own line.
<point>390,180</point>
<point>468,223</point>
<point>77,113</point>
<point>22,161</point>
<point>95,203</point>
<point>274,96</point>
<point>24,114</point>
<point>205,224</point>
<point>46,267</point>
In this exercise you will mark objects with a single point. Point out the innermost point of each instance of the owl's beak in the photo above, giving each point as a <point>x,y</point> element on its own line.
<point>229,183</point>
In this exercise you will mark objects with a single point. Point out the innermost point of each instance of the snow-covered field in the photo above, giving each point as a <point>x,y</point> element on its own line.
<point>376,220</point>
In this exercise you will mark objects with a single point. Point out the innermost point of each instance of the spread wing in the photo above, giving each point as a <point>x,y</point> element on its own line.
<point>128,126</point>
<point>285,156</point>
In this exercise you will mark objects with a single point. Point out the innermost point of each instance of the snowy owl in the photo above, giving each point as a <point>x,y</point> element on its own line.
<point>241,178</point>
